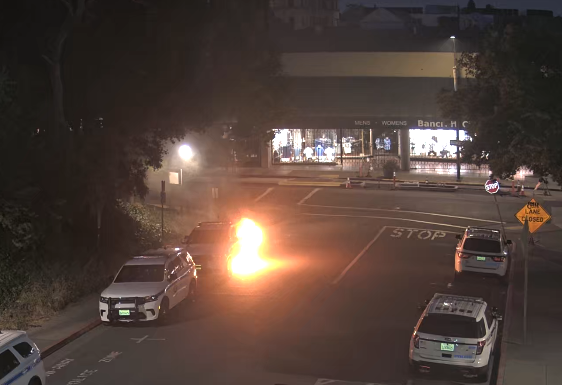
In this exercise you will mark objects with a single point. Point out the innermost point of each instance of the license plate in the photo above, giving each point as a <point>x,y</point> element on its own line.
<point>480,258</point>
<point>448,347</point>
<point>124,312</point>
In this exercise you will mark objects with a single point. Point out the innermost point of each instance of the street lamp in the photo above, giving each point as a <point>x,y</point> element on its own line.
<point>185,152</point>
<point>454,39</point>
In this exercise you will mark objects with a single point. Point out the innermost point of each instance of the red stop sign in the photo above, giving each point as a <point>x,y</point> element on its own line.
<point>492,186</point>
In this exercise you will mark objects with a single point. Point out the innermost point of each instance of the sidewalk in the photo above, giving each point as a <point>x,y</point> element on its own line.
<point>75,320</point>
<point>538,361</point>
<point>335,172</point>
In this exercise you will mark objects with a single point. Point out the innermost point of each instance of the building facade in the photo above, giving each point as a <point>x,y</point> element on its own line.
<point>302,14</point>
<point>361,95</point>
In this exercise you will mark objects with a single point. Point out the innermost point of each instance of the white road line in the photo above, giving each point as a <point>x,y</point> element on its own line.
<point>301,202</point>
<point>343,273</point>
<point>412,228</point>
<point>404,211</point>
<point>389,218</point>
<point>270,189</point>
<point>139,340</point>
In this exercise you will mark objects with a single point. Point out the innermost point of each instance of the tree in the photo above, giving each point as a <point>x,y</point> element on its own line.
<point>471,6</point>
<point>512,101</point>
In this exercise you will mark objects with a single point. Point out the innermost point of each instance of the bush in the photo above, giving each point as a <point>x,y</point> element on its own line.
<point>389,168</point>
<point>48,290</point>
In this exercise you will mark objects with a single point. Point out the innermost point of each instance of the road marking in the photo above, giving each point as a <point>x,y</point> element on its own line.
<point>423,234</point>
<point>139,340</point>
<point>81,377</point>
<point>305,183</point>
<point>404,211</point>
<point>343,273</point>
<point>388,218</point>
<point>308,196</point>
<point>264,194</point>
<point>110,357</point>
<point>58,366</point>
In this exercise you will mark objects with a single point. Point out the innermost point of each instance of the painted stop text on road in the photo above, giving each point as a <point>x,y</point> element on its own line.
<point>421,234</point>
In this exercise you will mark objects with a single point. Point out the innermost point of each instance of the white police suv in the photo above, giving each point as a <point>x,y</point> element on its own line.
<point>482,250</point>
<point>20,360</point>
<point>148,286</point>
<point>455,333</point>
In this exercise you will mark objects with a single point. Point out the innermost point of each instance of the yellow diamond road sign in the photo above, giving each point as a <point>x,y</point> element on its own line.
<point>535,214</point>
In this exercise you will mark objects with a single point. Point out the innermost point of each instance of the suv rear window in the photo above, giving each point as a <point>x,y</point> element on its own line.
<point>451,326</point>
<point>208,236</point>
<point>482,245</point>
<point>140,273</point>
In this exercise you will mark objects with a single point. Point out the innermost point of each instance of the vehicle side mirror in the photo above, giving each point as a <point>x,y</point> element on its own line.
<point>458,236</point>
<point>185,240</point>
<point>172,277</point>
<point>508,242</point>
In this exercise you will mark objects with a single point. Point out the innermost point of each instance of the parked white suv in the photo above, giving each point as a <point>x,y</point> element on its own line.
<point>455,333</point>
<point>482,250</point>
<point>20,360</point>
<point>148,286</point>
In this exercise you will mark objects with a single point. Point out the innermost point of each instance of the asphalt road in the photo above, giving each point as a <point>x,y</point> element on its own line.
<point>348,269</point>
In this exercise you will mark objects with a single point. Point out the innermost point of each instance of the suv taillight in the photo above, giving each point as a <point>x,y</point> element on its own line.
<point>480,347</point>
<point>498,259</point>
<point>464,255</point>
<point>416,340</point>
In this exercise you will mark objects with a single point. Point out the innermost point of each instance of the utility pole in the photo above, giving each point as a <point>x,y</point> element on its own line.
<point>162,201</point>
<point>455,85</point>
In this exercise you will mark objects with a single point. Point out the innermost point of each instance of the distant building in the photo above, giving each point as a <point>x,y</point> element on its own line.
<point>302,14</point>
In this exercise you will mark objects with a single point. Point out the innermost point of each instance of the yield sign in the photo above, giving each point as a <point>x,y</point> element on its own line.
<point>535,214</point>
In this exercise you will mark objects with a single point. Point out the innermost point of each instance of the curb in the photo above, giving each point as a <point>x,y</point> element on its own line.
<point>65,341</point>
<point>506,324</point>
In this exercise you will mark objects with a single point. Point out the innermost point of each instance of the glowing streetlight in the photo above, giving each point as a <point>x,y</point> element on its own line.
<point>185,152</point>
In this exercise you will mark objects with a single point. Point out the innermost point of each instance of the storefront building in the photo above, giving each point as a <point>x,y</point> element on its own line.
<point>376,103</point>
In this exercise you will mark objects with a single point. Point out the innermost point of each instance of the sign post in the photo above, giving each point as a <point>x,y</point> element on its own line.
<point>532,216</point>
<point>492,186</point>
<point>525,242</point>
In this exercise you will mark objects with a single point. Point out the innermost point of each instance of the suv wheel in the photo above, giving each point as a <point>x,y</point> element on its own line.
<point>483,375</point>
<point>163,314</point>
<point>192,294</point>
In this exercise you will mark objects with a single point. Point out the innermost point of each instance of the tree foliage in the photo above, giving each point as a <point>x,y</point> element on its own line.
<point>91,91</point>
<point>512,100</point>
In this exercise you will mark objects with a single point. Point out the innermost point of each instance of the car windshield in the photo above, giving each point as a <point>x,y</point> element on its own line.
<point>482,245</point>
<point>208,236</point>
<point>450,326</point>
<point>140,273</point>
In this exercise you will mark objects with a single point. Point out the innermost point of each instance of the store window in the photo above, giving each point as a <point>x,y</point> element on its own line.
<point>305,146</point>
<point>434,144</point>
<point>324,146</point>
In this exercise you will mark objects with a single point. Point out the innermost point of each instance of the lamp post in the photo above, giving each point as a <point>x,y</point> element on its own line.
<point>454,39</point>
<point>186,153</point>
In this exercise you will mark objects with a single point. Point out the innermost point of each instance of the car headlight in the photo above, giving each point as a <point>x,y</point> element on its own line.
<point>151,298</point>
<point>104,299</point>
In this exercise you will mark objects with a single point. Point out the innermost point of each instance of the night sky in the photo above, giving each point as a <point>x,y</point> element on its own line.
<point>554,5</point>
